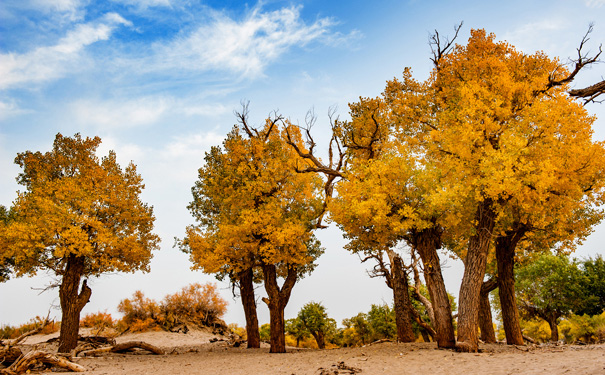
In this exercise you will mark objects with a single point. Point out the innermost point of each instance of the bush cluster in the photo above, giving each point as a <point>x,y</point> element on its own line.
<point>195,305</point>
<point>10,332</point>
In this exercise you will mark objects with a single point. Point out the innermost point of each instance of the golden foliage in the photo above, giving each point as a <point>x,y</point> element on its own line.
<point>251,205</point>
<point>77,204</point>
<point>196,304</point>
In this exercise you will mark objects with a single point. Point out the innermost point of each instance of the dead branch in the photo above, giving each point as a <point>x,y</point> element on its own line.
<point>440,48</point>
<point>590,93</point>
<point>123,347</point>
<point>9,354</point>
<point>583,60</point>
<point>333,170</point>
<point>36,357</point>
<point>529,339</point>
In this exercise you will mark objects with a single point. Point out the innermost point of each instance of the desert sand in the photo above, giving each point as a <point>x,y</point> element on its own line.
<point>193,353</point>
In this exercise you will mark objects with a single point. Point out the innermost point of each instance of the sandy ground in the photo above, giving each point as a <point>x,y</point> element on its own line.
<point>192,353</point>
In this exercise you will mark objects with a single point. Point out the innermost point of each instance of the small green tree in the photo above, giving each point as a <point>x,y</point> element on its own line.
<point>550,288</point>
<point>315,318</point>
<point>594,286</point>
<point>296,328</point>
<point>265,332</point>
<point>6,261</point>
<point>382,321</point>
<point>357,330</point>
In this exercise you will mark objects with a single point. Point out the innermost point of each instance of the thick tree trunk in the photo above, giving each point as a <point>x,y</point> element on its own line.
<point>319,339</point>
<point>401,297</point>
<point>246,287</point>
<point>554,329</point>
<point>426,243</point>
<point>474,272</point>
<point>488,335</point>
<point>72,302</point>
<point>277,301</point>
<point>505,258</point>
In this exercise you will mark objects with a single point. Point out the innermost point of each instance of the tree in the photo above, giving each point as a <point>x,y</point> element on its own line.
<point>296,328</point>
<point>314,317</point>
<point>593,270</point>
<point>504,136</point>
<point>382,200</point>
<point>255,212</point>
<point>549,288</point>
<point>6,261</point>
<point>79,217</point>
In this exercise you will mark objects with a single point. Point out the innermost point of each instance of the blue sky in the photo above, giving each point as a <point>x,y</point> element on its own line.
<point>158,81</point>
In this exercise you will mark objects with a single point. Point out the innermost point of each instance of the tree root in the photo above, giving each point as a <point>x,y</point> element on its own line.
<point>36,357</point>
<point>465,347</point>
<point>119,348</point>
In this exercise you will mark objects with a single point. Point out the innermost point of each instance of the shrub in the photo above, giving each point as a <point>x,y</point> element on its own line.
<point>9,332</point>
<point>196,304</point>
<point>98,320</point>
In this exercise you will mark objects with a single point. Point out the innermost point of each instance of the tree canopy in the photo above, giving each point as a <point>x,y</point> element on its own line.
<point>79,216</point>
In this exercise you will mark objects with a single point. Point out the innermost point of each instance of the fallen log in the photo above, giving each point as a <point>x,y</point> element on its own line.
<point>119,348</point>
<point>36,357</point>
<point>9,354</point>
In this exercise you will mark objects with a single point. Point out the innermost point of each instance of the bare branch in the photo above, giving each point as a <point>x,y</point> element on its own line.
<point>242,118</point>
<point>583,59</point>
<point>441,48</point>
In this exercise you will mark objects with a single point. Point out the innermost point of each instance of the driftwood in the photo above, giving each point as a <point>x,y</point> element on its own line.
<point>9,352</point>
<point>9,355</point>
<point>36,357</point>
<point>119,348</point>
<point>529,339</point>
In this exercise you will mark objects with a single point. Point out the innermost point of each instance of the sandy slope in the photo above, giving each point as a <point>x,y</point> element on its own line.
<point>192,353</point>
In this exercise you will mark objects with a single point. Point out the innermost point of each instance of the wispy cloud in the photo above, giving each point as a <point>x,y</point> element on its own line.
<point>536,36</point>
<point>127,113</point>
<point>595,3</point>
<point>119,113</point>
<point>191,145</point>
<point>144,4</point>
<point>243,47</point>
<point>52,62</point>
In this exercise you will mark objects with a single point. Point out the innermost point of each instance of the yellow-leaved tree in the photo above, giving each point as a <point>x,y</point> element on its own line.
<point>256,217</point>
<point>516,148</point>
<point>79,216</point>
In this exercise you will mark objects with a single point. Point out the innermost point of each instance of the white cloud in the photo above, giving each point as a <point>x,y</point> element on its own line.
<point>9,108</point>
<point>144,4</point>
<point>242,47</point>
<point>595,3</point>
<point>53,62</point>
<point>538,36</point>
<point>191,145</point>
<point>119,114</point>
<point>125,152</point>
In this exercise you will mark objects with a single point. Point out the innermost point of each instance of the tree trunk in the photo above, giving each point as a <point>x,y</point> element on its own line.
<point>402,302</point>
<point>319,339</point>
<point>554,329</point>
<point>246,287</point>
<point>485,313</point>
<point>474,272</point>
<point>505,258</point>
<point>72,303</point>
<point>426,243</point>
<point>277,301</point>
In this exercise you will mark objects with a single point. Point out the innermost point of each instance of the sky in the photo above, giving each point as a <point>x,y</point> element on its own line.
<point>158,81</point>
